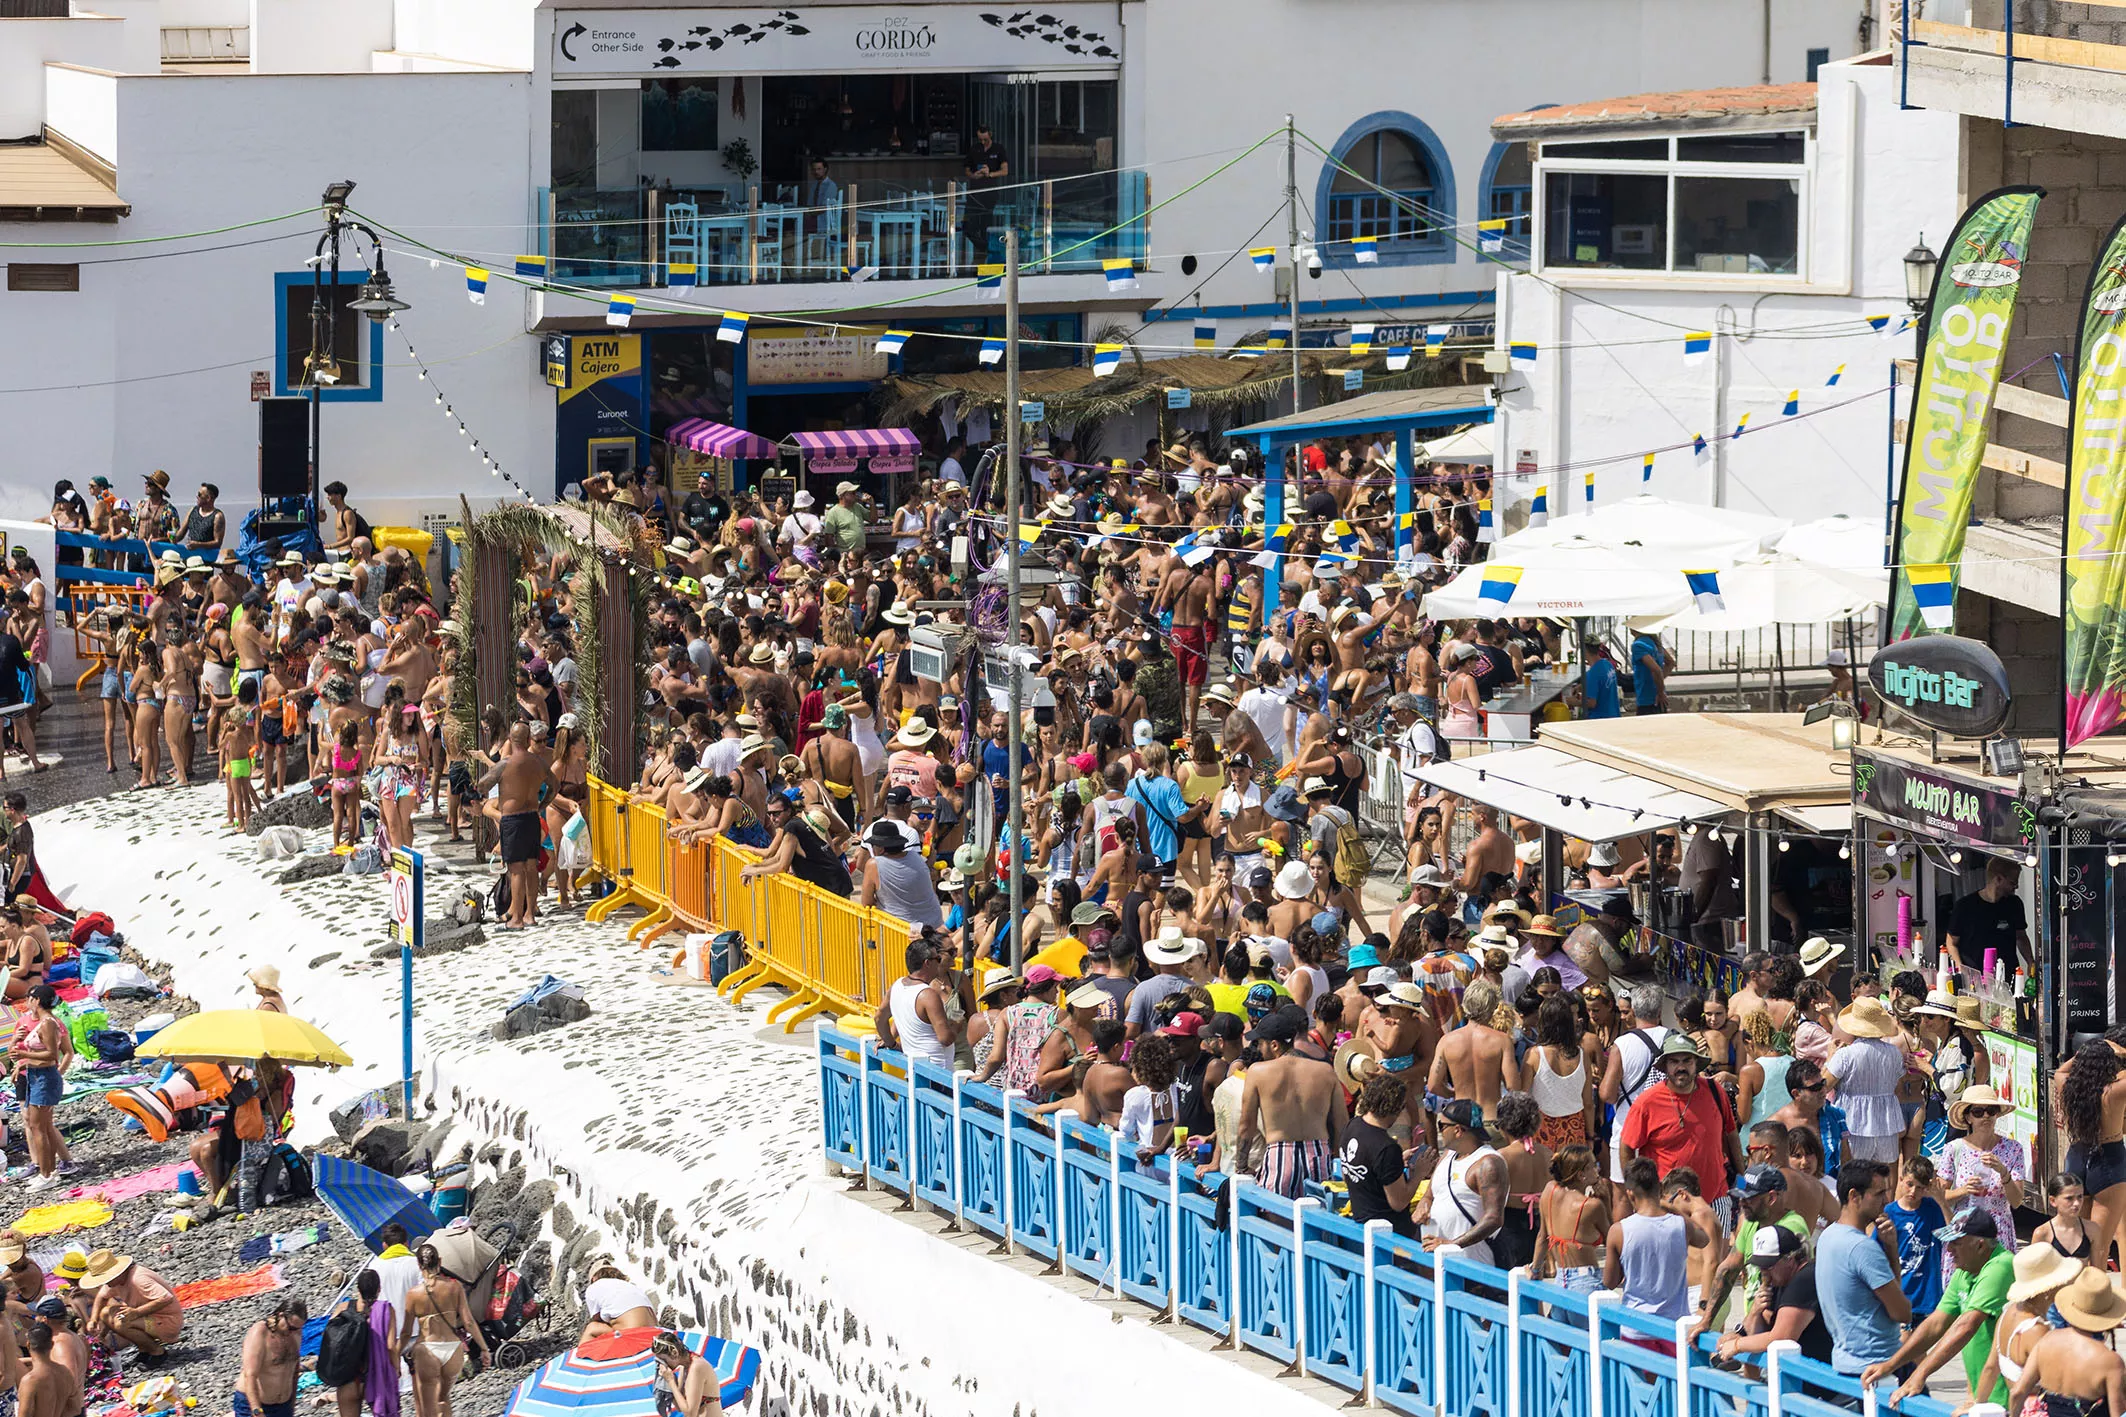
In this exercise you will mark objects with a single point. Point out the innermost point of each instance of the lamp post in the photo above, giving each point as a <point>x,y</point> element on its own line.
<point>376,300</point>
<point>1920,265</point>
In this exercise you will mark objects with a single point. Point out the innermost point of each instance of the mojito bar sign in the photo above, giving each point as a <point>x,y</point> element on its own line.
<point>1940,805</point>
<point>1945,682</point>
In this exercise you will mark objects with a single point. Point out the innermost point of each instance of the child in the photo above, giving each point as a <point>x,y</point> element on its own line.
<point>347,786</point>
<point>1148,1108</point>
<point>2066,1231</point>
<point>1680,1195</point>
<point>1918,1215</point>
<point>239,745</point>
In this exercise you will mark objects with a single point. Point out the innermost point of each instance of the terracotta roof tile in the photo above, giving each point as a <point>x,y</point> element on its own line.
<point>1755,100</point>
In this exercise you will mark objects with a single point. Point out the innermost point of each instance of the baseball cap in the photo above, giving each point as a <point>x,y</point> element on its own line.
<point>1040,974</point>
<point>1148,862</point>
<point>1971,1223</point>
<point>1278,1026</point>
<point>1771,1244</point>
<point>1463,1113</point>
<point>1185,1025</point>
<point>899,793</point>
<point>1261,878</point>
<point>1222,1025</point>
<point>1760,1181</point>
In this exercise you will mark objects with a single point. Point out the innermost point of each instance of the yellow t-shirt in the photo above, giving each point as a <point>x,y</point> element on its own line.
<point>1066,957</point>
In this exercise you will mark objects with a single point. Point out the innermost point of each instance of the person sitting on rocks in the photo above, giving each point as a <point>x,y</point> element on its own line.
<point>132,1304</point>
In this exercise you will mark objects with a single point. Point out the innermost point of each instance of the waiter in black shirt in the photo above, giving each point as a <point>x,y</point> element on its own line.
<point>1494,662</point>
<point>1991,917</point>
<point>1376,1170</point>
<point>987,167</point>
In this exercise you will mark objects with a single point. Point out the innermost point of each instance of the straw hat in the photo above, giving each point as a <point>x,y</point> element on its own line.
<point>900,614</point>
<point>2040,1269</point>
<point>1504,909</point>
<point>2092,1302</point>
<point>1172,947</point>
<point>1968,1011</point>
<point>74,1264</point>
<point>1818,954</point>
<point>1402,994</point>
<point>1976,1095</point>
<point>12,1254</point>
<point>915,733</point>
<point>1940,1004</point>
<point>1867,1017</point>
<point>1358,1060</point>
<point>1544,925</point>
<point>106,1266</point>
<point>1002,979</point>
<point>266,977</point>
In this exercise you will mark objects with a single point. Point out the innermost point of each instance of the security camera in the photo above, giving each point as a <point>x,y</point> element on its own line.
<point>1313,261</point>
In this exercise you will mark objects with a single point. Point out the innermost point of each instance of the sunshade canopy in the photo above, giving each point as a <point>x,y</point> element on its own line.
<point>1842,542</point>
<point>245,1035</point>
<point>1592,801</point>
<point>720,440</point>
<point>366,1201</point>
<point>616,1376</point>
<point>1565,581</point>
<point>858,442</point>
<point>1780,590</point>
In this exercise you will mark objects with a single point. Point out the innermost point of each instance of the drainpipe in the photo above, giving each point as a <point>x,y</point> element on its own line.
<point>1767,43</point>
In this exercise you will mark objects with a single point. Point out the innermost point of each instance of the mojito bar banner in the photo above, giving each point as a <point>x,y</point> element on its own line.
<point>2094,604</point>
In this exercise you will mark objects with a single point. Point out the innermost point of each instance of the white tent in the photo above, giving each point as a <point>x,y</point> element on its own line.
<point>1578,578</point>
<point>1652,532</point>
<point>1779,590</point>
<point>1470,445</point>
<point>1842,542</point>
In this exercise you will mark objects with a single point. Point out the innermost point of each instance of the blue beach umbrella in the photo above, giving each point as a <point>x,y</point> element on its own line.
<point>366,1200</point>
<point>580,1384</point>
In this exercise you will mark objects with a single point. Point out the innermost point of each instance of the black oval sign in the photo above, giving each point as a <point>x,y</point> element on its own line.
<point>1947,682</point>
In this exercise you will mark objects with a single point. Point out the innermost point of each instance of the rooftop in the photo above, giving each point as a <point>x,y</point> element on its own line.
<point>1689,109</point>
<point>52,180</point>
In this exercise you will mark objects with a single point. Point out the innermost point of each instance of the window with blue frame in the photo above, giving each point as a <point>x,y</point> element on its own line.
<point>1509,193</point>
<point>1359,207</point>
<point>312,316</point>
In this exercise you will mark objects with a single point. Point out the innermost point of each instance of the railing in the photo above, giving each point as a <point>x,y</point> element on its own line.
<point>754,235</point>
<point>830,954</point>
<point>1422,1332</point>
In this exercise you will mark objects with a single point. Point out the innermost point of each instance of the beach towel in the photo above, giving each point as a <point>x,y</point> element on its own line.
<point>222,1288</point>
<point>152,1181</point>
<point>260,1247</point>
<point>66,1215</point>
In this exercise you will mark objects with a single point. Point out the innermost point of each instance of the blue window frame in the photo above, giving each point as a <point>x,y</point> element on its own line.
<point>1414,215</point>
<point>361,341</point>
<point>1509,192</point>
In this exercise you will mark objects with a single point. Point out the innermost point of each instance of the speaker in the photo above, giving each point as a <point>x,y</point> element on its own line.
<point>283,448</point>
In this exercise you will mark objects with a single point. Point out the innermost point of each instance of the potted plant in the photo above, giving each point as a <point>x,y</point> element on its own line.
<point>738,156</point>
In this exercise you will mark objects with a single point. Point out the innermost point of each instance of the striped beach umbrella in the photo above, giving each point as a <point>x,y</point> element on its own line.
<point>617,1376</point>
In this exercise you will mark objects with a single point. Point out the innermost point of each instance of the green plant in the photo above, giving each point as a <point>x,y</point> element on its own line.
<point>738,156</point>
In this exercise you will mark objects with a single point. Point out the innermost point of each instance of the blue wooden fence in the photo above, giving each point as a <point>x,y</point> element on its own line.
<point>1358,1306</point>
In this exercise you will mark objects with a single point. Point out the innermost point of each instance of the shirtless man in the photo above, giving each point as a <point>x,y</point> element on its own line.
<point>1475,1063</point>
<point>1680,1195</point>
<point>834,763</point>
<point>1293,1103</point>
<point>247,630</point>
<point>1348,627</point>
<point>518,776</point>
<point>1808,1197</point>
<point>1490,850</point>
<point>48,1387</point>
<point>273,1351</point>
<point>69,1349</point>
<point>1186,590</point>
<point>1108,1081</point>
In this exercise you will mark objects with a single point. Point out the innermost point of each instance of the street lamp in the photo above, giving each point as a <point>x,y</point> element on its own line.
<point>1920,263</point>
<point>376,300</point>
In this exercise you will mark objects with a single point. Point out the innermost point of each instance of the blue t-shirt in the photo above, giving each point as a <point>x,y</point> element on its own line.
<point>1645,692</point>
<point>1850,1266</point>
<point>996,762</point>
<point>1600,694</point>
<point>1918,1253</point>
<point>1163,805</point>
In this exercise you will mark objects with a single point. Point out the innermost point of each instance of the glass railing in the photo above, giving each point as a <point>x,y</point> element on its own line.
<point>880,231</point>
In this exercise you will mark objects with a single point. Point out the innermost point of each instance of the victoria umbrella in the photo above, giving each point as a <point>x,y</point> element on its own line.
<point>616,1376</point>
<point>366,1200</point>
<point>245,1036</point>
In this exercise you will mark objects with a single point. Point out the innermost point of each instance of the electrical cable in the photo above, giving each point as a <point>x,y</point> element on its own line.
<point>149,240</point>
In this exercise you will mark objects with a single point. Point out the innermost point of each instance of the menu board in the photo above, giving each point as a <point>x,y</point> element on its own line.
<point>2013,1064</point>
<point>844,355</point>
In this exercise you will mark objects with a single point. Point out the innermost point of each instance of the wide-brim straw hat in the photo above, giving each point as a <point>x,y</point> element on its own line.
<point>1977,1095</point>
<point>1868,1017</point>
<point>2092,1302</point>
<point>1358,1060</point>
<point>105,1267</point>
<point>2039,1269</point>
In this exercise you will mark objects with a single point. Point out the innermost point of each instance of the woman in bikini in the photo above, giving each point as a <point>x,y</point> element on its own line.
<point>1571,1220</point>
<point>29,947</point>
<point>686,1378</point>
<point>147,715</point>
<point>2092,1105</point>
<point>439,1324</point>
<point>1527,1172</point>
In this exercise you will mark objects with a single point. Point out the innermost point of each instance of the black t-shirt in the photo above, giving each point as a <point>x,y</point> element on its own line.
<point>1192,1107</point>
<point>991,156</point>
<point>1372,1163</point>
<point>1980,924</point>
<point>814,863</point>
<point>1800,1293</point>
<point>13,663</point>
<point>1494,669</point>
<point>704,512</point>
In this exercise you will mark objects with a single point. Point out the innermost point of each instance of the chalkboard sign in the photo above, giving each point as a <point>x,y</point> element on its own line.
<point>2085,892</point>
<point>777,486</point>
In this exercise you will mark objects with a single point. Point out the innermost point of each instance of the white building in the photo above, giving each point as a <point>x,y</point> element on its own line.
<point>1774,221</point>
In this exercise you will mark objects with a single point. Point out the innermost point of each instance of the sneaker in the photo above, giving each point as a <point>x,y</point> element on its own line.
<point>40,1183</point>
<point>69,1168</point>
<point>20,1173</point>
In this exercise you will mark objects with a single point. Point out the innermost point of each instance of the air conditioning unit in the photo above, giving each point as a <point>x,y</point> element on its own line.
<point>930,655</point>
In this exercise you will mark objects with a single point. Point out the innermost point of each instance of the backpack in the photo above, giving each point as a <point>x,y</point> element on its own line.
<point>498,898</point>
<point>343,1349</point>
<point>284,1175</point>
<point>1351,863</point>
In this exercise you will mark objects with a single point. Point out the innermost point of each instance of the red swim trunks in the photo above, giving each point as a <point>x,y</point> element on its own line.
<point>1191,653</point>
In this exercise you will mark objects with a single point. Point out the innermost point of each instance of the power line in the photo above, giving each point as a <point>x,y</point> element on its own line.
<point>148,240</point>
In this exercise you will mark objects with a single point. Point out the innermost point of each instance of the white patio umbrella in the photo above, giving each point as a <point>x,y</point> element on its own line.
<point>1568,580</point>
<point>1843,542</point>
<point>1654,532</point>
<point>1780,590</point>
<point>1470,445</point>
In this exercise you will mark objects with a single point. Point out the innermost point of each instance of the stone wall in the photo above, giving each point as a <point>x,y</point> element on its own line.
<point>2028,642</point>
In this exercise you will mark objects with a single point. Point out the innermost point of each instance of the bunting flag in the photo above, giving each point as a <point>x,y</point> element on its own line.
<point>1191,553</point>
<point>1696,346</point>
<point>1499,583</point>
<point>1280,333</point>
<point>1274,541</point>
<point>1366,250</point>
<point>1587,489</point>
<point>1836,374</point>
<point>1539,508</point>
<point>989,282</point>
<point>859,274</point>
<point>1347,535</point>
<point>1523,351</point>
<point>1029,533</point>
<point>1406,521</point>
<point>1698,444</point>
<point>732,329</point>
<point>532,267</point>
<point>1126,529</point>
<point>1485,530</point>
<point>1743,426</point>
<point>890,342</point>
<point>1705,589</point>
<point>992,352</point>
<point>1247,351</point>
<point>1206,334</point>
<point>619,310</point>
<point>1398,357</point>
<point>1491,234</point>
<point>476,285</point>
<point>1107,358</point>
<point>1934,592</point>
<point>1889,326</point>
<point>1793,404</point>
<point>1121,273</point>
<point>1264,257</point>
<point>681,275</point>
<point>1436,340</point>
<point>1361,339</point>
<point>1646,468</point>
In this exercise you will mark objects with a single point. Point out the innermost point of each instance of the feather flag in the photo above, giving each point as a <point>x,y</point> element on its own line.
<point>1366,250</point>
<point>1705,589</point>
<point>1793,404</point>
<point>1491,234</point>
<point>1539,508</point>
<point>890,342</point>
<point>1743,426</point>
<point>1361,339</point>
<point>732,329</point>
<point>476,285</point>
<point>1398,357</point>
<point>532,267</point>
<point>1836,374</point>
<point>1121,273</point>
<point>1646,468</point>
<point>992,352</point>
<point>1206,334</point>
<point>1696,346</point>
<point>989,282</point>
<point>681,275</point>
<point>1934,591</point>
<point>1523,351</point>
<point>1264,257</point>
<point>1499,583</point>
<point>1107,358</point>
<point>1587,489</point>
<point>619,310</point>
<point>1274,541</point>
<point>1436,340</point>
<point>1485,529</point>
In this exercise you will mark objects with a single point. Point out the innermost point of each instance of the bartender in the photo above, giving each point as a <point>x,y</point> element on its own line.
<point>1990,918</point>
<point>987,167</point>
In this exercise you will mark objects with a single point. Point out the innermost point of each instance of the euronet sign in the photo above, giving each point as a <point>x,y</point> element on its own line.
<point>833,39</point>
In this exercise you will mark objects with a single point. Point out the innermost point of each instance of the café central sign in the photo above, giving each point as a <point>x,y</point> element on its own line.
<point>834,39</point>
<point>1946,682</point>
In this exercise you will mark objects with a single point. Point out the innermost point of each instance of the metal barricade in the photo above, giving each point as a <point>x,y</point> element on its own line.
<point>645,855</point>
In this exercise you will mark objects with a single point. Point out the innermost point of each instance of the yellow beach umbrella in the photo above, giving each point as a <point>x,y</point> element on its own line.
<point>245,1035</point>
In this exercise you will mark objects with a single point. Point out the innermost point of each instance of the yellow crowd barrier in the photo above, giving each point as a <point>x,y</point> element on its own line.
<point>829,954</point>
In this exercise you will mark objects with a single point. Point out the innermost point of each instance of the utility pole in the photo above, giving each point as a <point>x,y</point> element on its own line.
<point>1291,203</point>
<point>1016,814</point>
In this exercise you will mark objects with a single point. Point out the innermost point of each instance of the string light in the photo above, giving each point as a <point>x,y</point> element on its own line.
<point>1782,843</point>
<point>1956,858</point>
<point>450,412</point>
<point>1844,852</point>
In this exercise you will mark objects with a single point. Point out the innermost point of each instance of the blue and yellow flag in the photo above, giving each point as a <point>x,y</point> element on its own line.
<point>1107,358</point>
<point>1499,583</point>
<point>476,285</point>
<point>619,310</point>
<point>890,342</point>
<point>1398,357</point>
<point>1366,250</point>
<point>1696,345</point>
<point>682,275</point>
<point>1121,273</point>
<point>1486,530</point>
<point>1523,350</point>
<point>532,267</point>
<point>1491,234</point>
<point>1836,374</point>
<point>1539,508</point>
<point>1743,426</point>
<point>1646,468</point>
<point>1793,404</point>
<point>1361,339</point>
<point>1705,589</point>
<point>1587,494</point>
<point>732,330</point>
<point>1029,533</point>
<point>1206,334</point>
<point>992,352</point>
<point>1264,257</point>
<point>989,281</point>
<point>1346,535</point>
<point>1934,592</point>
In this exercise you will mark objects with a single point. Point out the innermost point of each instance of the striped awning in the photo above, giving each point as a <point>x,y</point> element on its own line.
<point>860,442</point>
<point>719,440</point>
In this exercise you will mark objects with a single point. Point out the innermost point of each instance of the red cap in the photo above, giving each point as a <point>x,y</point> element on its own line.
<point>1185,1025</point>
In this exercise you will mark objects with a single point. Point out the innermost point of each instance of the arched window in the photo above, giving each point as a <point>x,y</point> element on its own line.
<point>1391,181</point>
<point>1509,193</point>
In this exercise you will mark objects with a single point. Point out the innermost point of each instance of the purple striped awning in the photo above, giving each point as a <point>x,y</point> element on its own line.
<point>861,442</point>
<point>719,440</point>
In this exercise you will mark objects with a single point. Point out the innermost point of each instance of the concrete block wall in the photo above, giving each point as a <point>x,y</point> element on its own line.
<point>2028,642</point>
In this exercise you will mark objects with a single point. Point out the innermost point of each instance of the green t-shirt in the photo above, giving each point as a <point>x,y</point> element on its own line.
<point>845,525</point>
<point>1985,1292</point>
<point>1746,1234</point>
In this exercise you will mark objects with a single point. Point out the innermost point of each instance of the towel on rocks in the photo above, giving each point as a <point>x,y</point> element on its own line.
<point>67,1215</point>
<point>222,1288</point>
<point>140,1183</point>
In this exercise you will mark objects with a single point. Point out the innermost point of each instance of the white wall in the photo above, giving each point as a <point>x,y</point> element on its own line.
<point>83,105</point>
<point>317,36</point>
<point>95,42</point>
<point>492,32</point>
<point>1623,387</point>
<point>140,52</point>
<point>158,376</point>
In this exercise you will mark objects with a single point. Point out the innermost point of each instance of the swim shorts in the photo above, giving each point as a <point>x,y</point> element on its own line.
<point>520,837</point>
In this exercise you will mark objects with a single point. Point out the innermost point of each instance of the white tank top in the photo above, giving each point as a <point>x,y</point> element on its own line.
<point>1558,1094</point>
<point>1456,1205</point>
<point>918,1039</point>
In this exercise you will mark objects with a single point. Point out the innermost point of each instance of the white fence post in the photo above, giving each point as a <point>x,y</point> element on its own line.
<point>1370,1347</point>
<point>1173,1238</point>
<point>1011,1244</point>
<point>863,1107</point>
<point>1774,1383</point>
<point>1439,1325</point>
<point>1299,1280</point>
<point>1062,1211</point>
<point>959,1152</point>
<point>1232,1273</point>
<point>1114,1208</point>
<point>1514,1277</point>
<point>1595,1301</point>
<point>1684,1326</point>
